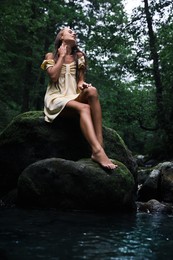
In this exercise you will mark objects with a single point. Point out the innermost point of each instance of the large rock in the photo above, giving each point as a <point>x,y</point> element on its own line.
<point>154,206</point>
<point>149,189</point>
<point>28,139</point>
<point>81,185</point>
<point>166,182</point>
<point>157,184</point>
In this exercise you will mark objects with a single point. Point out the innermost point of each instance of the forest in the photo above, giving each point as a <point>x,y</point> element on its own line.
<point>130,62</point>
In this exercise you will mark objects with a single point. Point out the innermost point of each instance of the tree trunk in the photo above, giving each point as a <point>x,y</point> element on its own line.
<point>164,120</point>
<point>156,70</point>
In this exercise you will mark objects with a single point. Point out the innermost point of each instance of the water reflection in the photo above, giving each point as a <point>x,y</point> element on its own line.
<point>49,235</point>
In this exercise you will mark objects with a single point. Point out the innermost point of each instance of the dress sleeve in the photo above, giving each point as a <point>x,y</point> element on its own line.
<point>81,62</point>
<point>47,63</point>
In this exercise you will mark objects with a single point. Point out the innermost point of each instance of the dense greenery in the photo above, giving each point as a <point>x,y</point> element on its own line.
<point>130,62</point>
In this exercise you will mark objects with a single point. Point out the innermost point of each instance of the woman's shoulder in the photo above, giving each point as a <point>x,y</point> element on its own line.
<point>49,56</point>
<point>81,60</point>
<point>80,54</point>
<point>48,61</point>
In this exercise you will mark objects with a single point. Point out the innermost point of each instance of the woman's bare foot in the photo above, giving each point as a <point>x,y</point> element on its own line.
<point>101,158</point>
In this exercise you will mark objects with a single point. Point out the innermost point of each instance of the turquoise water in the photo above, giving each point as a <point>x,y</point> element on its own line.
<point>51,235</point>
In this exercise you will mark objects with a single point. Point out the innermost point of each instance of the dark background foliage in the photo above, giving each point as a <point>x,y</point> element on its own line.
<point>130,62</point>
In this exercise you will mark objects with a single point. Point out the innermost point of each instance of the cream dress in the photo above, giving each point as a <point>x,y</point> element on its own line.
<point>65,89</point>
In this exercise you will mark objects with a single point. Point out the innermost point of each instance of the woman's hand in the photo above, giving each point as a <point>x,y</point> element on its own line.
<point>82,85</point>
<point>62,50</point>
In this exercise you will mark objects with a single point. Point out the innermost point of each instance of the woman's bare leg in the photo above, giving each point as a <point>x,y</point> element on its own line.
<point>90,96</point>
<point>96,113</point>
<point>86,124</point>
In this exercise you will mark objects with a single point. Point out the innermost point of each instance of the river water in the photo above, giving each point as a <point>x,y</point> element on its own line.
<point>53,235</point>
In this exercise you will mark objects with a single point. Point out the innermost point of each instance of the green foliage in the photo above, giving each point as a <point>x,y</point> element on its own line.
<point>119,58</point>
<point>145,69</point>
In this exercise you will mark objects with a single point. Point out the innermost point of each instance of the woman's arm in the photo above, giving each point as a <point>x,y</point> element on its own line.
<point>81,83</point>
<point>55,70</point>
<point>81,76</point>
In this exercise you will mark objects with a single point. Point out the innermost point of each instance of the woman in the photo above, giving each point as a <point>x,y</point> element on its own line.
<point>68,94</point>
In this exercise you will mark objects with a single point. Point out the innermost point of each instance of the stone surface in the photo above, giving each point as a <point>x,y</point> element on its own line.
<point>166,182</point>
<point>81,185</point>
<point>28,139</point>
<point>154,206</point>
<point>157,183</point>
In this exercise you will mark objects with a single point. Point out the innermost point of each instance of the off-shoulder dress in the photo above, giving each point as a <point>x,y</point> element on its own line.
<point>65,89</point>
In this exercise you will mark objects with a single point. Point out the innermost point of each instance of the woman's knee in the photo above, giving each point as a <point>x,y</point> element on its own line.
<point>91,92</point>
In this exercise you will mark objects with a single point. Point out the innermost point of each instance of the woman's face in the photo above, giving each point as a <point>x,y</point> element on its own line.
<point>68,36</point>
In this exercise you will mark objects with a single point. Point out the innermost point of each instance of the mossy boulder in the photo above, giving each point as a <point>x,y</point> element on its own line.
<point>28,139</point>
<point>81,185</point>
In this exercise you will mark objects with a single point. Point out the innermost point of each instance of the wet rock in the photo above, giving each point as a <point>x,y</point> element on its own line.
<point>81,185</point>
<point>166,176</point>
<point>149,188</point>
<point>156,183</point>
<point>28,139</point>
<point>154,206</point>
